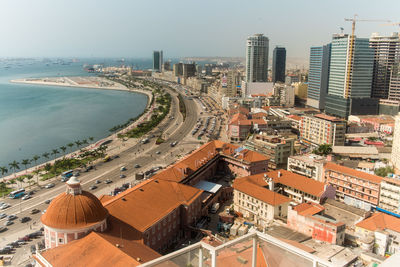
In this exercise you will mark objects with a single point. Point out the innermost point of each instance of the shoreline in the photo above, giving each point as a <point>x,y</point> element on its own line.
<point>112,146</point>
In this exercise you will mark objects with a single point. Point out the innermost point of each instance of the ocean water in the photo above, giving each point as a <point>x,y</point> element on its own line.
<point>36,119</point>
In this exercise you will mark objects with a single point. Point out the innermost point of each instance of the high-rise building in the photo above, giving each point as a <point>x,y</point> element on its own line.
<point>157,60</point>
<point>350,77</point>
<point>318,76</point>
<point>257,58</point>
<point>279,64</point>
<point>233,82</point>
<point>394,86</point>
<point>396,143</point>
<point>385,48</point>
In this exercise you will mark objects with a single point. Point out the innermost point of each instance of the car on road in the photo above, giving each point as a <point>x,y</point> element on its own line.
<point>2,229</point>
<point>97,182</point>
<point>51,185</point>
<point>123,168</point>
<point>5,206</point>
<point>26,197</point>
<point>88,168</point>
<point>158,152</point>
<point>7,223</point>
<point>25,219</point>
<point>137,166</point>
<point>122,176</point>
<point>47,201</point>
<point>34,211</point>
<point>3,215</point>
<point>93,187</point>
<point>11,217</point>
<point>108,181</point>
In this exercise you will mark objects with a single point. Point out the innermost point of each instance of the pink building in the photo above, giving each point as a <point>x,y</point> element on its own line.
<point>309,219</point>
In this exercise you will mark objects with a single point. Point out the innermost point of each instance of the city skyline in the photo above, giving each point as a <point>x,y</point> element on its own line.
<point>126,29</point>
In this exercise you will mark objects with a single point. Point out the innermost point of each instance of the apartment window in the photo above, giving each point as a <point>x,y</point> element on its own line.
<point>60,240</point>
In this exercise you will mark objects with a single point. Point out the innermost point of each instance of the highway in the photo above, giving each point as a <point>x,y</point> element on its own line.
<point>143,154</point>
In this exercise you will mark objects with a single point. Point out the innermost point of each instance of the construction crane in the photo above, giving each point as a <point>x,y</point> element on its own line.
<point>351,49</point>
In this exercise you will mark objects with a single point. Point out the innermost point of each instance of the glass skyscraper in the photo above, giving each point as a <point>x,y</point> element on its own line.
<point>318,76</point>
<point>350,79</point>
<point>157,60</point>
<point>257,58</point>
<point>279,64</point>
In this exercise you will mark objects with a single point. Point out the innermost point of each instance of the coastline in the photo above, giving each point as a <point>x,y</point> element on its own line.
<point>90,83</point>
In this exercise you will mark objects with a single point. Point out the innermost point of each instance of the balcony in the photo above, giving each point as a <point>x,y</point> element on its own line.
<point>252,249</point>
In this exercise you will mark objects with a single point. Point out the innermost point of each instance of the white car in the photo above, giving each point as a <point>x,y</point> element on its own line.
<point>5,206</point>
<point>7,223</point>
<point>26,197</point>
<point>3,215</point>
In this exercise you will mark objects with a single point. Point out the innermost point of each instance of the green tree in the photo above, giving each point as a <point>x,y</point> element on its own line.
<point>29,178</point>
<point>78,143</point>
<point>63,148</point>
<point>70,145</point>
<point>3,170</point>
<point>21,180</point>
<point>91,138</point>
<point>35,158</point>
<point>54,152</point>
<point>47,167</point>
<point>25,162</point>
<point>84,142</point>
<point>383,171</point>
<point>46,155</point>
<point>14,166</point>
<point>323,150</point>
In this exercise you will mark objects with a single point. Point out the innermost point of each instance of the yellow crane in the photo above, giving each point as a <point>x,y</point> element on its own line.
<point>351,50</point>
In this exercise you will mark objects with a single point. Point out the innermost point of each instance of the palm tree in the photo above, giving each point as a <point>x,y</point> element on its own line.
<point>29,178</point>
<point>46,155</point>
<point>21,180</point>
<point>63,148</point>
<point>25,162</point>
<point>14,166</point>
<point>78,144</point>
<point>70,145</point>
<point>3,170</point>
<point>91,138</point>
<point>84,142</point>
<point>35,158</point>
<point>54,152</point>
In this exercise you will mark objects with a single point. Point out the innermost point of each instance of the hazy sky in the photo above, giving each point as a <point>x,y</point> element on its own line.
<point>130,28</point>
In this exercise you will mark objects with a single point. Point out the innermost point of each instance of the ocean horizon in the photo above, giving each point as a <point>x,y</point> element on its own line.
<point>35,119</point>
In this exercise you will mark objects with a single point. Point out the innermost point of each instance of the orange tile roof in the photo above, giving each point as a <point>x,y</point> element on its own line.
<point>294,117</point>
<point>95,250</point>
<point>254,186</point>
<point>305,209</point>
<point>349,171</point>
<point>380,221</point>
<point>68,211</point>
<point>327,117</point>
<point>236,118</point>
<point>298,181</point>
<point>104,198</point>
<point>150,201</point>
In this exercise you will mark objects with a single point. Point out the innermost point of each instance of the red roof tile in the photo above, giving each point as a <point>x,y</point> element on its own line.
<point>351,172</point>
<point>380,221</point>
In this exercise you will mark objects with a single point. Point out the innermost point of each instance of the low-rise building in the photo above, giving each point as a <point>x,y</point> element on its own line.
<point>278,148</point>
<point>353,187</point>
<point>389,198</point>
<point>309,219</point>
<point>311,166</point>
<point>379,233</point>
<point>261,205</point>
<point>300,188</point>
<point>322,129</point>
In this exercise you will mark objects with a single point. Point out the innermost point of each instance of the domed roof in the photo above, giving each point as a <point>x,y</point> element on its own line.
<point>68,211</point>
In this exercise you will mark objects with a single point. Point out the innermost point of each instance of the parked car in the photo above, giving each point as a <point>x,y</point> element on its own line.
<point>122,176</point>
<point>12,217</point>
<point>108,181</point>
<point>93,187</point>
<point>137,166</point>
<point>2,229</point>
<point>7,223</point>
<point>3,215</point>
<point>97,181</point>
<point>51,185</point>
<point>24,219</point>
<point>26,197</point>
<point>34,211</point>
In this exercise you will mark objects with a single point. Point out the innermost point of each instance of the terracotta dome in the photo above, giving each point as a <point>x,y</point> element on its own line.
<point>68,211</point>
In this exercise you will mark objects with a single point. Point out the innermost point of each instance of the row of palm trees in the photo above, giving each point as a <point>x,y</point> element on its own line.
<point>15,165</point>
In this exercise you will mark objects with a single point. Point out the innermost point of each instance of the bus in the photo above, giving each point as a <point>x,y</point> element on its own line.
<point>67,174</point>
<point>17,193</point>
